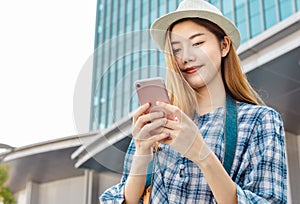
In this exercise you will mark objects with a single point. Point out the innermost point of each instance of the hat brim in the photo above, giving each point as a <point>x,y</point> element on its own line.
<point>159,27</point>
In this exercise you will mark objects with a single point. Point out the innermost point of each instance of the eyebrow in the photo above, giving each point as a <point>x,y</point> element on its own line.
<point>196,35</point>
<point>191,37</point>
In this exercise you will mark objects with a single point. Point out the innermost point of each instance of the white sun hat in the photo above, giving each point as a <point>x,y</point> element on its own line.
<point>193,9</point>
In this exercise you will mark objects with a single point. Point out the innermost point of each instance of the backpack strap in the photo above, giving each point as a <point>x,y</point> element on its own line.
<point>149,173</point>
<point>230,135</point>
<point>150,169</point>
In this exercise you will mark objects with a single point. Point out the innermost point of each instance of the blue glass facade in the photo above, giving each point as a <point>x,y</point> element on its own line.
<point>124,52</point>
<point>252,17</point>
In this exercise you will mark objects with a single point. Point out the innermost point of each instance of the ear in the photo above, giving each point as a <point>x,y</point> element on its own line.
<point>225,46</point>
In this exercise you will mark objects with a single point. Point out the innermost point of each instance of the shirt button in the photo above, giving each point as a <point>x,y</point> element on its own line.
<point>181,166</point>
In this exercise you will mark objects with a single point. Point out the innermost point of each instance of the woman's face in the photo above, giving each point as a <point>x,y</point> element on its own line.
<point>198,53</point>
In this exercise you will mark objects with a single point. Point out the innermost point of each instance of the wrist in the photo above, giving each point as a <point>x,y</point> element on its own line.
<point>205,164</point>
<point>142,150</point>
<point>204,152</point>
<point>139,164</point>
<point>201,157</point>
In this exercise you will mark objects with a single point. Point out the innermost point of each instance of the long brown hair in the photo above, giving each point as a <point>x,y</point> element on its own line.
<point>235,82</point>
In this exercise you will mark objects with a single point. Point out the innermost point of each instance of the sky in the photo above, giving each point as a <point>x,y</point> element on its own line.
<point>44,45</point>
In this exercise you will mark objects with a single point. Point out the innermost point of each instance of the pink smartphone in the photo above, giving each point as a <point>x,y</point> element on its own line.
<point>151,90</point>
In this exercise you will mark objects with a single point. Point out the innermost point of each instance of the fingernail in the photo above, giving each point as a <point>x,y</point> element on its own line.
<point>160,114</point>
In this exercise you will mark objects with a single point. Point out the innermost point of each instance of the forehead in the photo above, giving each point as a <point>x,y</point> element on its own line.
<point>186,29</point>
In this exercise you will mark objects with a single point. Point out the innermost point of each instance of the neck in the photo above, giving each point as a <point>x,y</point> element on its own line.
<point>211,96</point>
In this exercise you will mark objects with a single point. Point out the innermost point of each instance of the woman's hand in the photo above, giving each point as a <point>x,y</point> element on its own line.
<point>147,129</point>
<point>184,135</point>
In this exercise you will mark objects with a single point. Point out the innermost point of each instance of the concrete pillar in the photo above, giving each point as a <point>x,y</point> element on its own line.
<point>91,187</point>
<point>31,193</point>
<point>293,160</point>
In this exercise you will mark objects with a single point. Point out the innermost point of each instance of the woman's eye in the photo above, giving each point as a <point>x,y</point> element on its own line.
<point>197,44</point>
<point>176,51</point>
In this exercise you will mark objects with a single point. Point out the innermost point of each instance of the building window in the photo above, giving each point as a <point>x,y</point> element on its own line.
<point>171,6</point>
<point>216,3</point>
<point>153,11</point>
<point>121,18</point>
<point>128,16</point>
<point>144,64</point>
<point>119,95</point>
<point>107,24</point>
<point>114,19</point>
<point>285,8</point>
<point>162,66</point>
<point>270,13</point>
<point>255,17</point>
<point>227,9</point>
<point>136,15</point>
<point>241,19</point>
<point>103,101</point>
<point>145,14</point>
<point>162,7</point>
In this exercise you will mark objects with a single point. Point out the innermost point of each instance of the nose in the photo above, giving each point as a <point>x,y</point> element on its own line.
<point>188,56</point>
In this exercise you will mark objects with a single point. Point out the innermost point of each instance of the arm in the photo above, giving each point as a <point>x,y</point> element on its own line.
<point>137,158</point>
<point>186,139</point>
<point>265,177</point>
<point>220,183</point>
<point>222,186</point>
<point>115,194</point>
<point>135,184</point>
<point>263,174</point>
<point>146,132</point>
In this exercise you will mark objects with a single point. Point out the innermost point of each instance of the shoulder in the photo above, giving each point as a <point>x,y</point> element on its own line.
<point>258,112</point>
<point>263,118</point>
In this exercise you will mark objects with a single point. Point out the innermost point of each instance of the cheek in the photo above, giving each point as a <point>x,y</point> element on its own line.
<point>218,61</point>
<point>178,60</point>
<point>214,57</point>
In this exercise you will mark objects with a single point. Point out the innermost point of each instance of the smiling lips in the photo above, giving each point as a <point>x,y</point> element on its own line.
<point>191,70</point>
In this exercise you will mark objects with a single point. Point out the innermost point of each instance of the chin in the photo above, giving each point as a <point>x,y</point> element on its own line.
<point>195,82</point>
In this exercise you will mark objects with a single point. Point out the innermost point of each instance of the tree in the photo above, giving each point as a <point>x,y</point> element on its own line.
<point>6,194</point>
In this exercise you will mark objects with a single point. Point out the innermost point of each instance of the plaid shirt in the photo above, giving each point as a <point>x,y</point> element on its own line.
<point>258,170</point>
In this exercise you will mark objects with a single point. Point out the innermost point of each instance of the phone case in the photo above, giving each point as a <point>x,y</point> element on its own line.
<point>152,90</point>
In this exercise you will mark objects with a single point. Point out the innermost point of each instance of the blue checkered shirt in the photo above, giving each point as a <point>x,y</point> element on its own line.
<point>258,170</point>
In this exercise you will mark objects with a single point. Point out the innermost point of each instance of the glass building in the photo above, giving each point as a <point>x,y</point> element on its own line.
<point>252,17</point>
<point>124,52</point>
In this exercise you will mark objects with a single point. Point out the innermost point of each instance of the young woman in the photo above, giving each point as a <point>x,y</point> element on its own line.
<point>203,75</point>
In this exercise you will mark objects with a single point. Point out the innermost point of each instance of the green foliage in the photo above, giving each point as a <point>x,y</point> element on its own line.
<point>5,193</point>
<point>3,174</point>
<point>8,196</point>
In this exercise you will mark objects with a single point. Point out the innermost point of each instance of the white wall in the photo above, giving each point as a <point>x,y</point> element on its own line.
<point>298,137</point>
<point>108,179</point>
<point>63,191</point>
<point>293,159</point>
<point>21,197</point>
